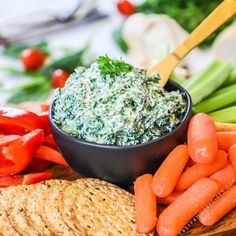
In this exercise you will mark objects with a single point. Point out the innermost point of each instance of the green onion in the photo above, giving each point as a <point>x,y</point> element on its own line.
<point>204,83</point>
<point>231,79</point>
<point>217,100</point>
<point>227,115</point>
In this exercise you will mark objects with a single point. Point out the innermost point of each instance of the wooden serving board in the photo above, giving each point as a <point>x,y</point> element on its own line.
<point>225,227</point>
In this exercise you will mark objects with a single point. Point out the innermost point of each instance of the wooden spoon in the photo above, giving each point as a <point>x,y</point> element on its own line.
<point>218,17</point>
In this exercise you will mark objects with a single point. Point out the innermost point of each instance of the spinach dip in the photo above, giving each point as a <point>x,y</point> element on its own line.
<point>112,102</point>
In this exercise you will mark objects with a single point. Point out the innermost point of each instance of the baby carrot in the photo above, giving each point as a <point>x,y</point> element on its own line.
<point>197,171</point>
<point>220,207</point>
<point>202,139</point>
<point>167,175</point>
<point>173,219</point>
<point>170,198</point>
<point>232,155</point>
<point>225,177</point>
<point>145,204</point>
<point>226,139</point>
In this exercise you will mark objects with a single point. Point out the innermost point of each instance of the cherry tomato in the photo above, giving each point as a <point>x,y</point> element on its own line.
<point>125,7</point>
<point>32,58</point>
<point>59,78</point>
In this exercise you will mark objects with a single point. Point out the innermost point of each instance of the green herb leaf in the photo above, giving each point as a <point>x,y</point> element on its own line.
<point>107,66</point>
<point>15,50</point>
<point>38,90</point>
<point>68,62</point>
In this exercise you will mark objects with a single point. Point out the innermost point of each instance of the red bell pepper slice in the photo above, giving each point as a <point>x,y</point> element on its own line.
<point>20,118</point>
<point>45,121</point>
<point>50,142</point>
<point>36,177</point>
<point>18,154</point>
<point>13,180</point>
<point>7,139</point>
<point>37,165</point>
<point>49,154</point>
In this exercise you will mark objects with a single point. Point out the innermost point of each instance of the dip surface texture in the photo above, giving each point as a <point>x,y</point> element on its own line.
<point>122,108</point>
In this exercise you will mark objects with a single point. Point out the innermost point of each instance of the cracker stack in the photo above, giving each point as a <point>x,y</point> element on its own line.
<point>59,207</point>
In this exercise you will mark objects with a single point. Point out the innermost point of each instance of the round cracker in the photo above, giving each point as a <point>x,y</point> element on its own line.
<point>34,204</point>
<point>6,227</point>
<point>51,211</point>
<point>100,208</point>
<point>17,211</point>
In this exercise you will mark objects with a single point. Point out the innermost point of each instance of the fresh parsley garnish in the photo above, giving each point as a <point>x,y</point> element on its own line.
<point>108,66</point>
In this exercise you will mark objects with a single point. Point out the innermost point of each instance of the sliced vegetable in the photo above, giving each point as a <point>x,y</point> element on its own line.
<point>220,99</point>
<point>225,177</point>
<point>37,165</point>
<point>145,204</point>
<point>226,140</point>
<point>17,155</point>
<point>45,120</point>
<point>202,139</point>
<point>6,181</point>
<point>170,198</point>
<point>49,154</point>
<point>225,127</point>
<point>173,219</point>
<point>21,118</point>
<point>204,83</point>
<point>32,58</point>
<point>11,180</point>
<point>7,139</point>
<point>231,79</point>
<point>59,78</point>
<point>36,177</point>
<point>221,206</point>
<point>167,175</point>
<point>232,155</point>
<point>226,115</point>
<point>50,142</point>
<point>197,171</point>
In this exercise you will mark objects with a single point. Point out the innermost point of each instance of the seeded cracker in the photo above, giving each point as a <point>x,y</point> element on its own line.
<point>6,228</point>
<point>51,211</point>
<point>17,211</point>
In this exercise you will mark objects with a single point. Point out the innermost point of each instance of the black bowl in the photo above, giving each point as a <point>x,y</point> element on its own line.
<point>117,164</point>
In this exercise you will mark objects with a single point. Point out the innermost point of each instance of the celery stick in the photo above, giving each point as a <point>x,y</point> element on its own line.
<point>231,79</point>
<point>179,80</point>
<point>217,100</point>
<point>227,115</point>
<point>203,84</point>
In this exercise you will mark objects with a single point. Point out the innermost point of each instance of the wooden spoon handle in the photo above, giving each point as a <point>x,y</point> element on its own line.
<point>218,17</point>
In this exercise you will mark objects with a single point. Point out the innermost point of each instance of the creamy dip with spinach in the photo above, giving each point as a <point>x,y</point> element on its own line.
<point>112,102</point>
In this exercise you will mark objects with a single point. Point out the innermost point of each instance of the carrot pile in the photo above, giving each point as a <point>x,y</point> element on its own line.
<point>196,180</point>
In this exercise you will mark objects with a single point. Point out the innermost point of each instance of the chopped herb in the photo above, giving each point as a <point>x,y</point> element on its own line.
<point>107,66</point>
<point>130,109</point>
